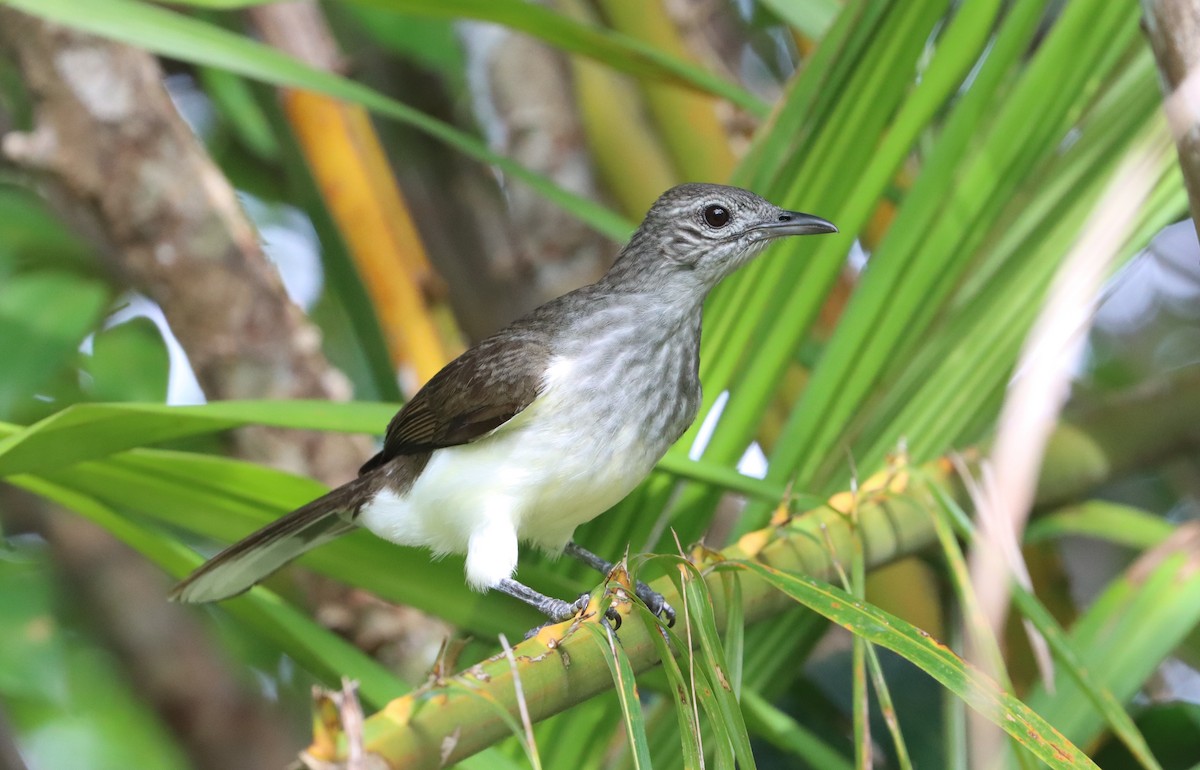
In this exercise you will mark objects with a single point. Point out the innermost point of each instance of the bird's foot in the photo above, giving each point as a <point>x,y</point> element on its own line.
<point>559,611</point>
<point>655,602</point>
<point>653,599</point>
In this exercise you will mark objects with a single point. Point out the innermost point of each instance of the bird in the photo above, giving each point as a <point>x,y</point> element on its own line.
<point>545,424</point>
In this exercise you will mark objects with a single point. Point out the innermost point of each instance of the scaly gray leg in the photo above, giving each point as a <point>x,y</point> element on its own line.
<point>555,609</point>
<point>653,599</point>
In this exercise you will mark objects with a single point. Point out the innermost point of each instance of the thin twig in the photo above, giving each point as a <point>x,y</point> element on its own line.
<point>522,706</point>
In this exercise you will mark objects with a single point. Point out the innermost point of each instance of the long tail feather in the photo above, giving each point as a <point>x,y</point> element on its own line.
<point>243,564</point>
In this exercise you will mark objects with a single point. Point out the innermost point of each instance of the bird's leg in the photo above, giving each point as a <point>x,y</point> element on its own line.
<point>653,599</point>
<point>555,609</point>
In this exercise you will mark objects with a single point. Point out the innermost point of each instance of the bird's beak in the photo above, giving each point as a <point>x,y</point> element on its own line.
<point>796,223</point>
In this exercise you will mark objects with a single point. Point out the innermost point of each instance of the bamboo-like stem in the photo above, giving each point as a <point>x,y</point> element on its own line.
<point>463,716</point>
<point>560,667</point>
<point>1136,429</point>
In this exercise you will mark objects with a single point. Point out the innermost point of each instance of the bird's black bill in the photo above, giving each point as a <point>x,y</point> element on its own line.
<point>796,223</point>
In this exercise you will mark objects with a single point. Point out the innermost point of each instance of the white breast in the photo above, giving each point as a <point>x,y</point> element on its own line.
<point>559,463</point>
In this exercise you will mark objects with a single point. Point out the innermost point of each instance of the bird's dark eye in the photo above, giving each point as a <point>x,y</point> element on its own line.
<point>716,216</point>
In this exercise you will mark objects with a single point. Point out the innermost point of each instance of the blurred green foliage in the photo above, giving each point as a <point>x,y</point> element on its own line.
<point>64,694</point>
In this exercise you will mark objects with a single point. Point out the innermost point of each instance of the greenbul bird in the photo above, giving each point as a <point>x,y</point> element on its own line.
<point>547,423</point>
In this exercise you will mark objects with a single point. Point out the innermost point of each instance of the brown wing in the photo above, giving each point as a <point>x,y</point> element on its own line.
<point>473,395</point>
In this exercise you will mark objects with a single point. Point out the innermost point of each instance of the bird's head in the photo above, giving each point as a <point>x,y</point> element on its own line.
<point>696,234</point>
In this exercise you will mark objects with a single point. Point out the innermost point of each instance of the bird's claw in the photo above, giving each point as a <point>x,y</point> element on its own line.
<point>612,616</point>
<point>559,611</point>
<point>579,605</point>
<point>655,602</point>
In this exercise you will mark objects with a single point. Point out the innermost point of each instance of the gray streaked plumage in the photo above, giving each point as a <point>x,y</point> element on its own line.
<point>547,423</point>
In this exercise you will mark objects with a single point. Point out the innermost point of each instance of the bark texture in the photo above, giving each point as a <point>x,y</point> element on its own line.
<point>1173,27</point>
<point>526,103</point>
<point>112,153</point>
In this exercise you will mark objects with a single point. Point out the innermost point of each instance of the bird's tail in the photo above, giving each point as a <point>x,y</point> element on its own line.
<point>246,562</point>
